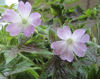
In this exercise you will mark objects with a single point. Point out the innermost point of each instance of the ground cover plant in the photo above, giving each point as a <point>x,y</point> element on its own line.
<point>46,40</point>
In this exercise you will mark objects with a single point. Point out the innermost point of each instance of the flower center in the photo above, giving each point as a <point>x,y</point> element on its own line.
<point>24,21</point>
<point>70,41</point>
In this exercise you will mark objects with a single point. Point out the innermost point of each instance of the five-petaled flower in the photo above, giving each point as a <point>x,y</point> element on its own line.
<point>22,20</point>
<point>71,42</point>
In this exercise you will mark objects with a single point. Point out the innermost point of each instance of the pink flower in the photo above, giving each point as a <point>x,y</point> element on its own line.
<point>22,21</point>
<point>71,42</point>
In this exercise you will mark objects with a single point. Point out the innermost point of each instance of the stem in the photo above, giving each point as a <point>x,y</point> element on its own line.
<point>88,4</point>
<point>24,57</point>
<point>98,28</point>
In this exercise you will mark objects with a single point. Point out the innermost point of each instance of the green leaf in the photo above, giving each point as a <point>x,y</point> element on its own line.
<point>34,73</point>
<point>98,74</point>
<point>11,54</point>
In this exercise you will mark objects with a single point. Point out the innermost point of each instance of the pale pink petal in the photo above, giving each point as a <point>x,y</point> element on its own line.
<point>11,16</point>
<point>13,29</point>
<point>85,38</point>
<point>24,9</point>
<point>80,49</point>
<point>64,32</point>
<point>57,47</point>
<point>28,31</point>
<point>34,19</point>
<point>67,55</point>
<point>60,48</point>
<point>78,33</point>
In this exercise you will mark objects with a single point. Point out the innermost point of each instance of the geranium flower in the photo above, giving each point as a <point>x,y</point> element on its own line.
<point>22,20</point>
<point>71,43</point>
